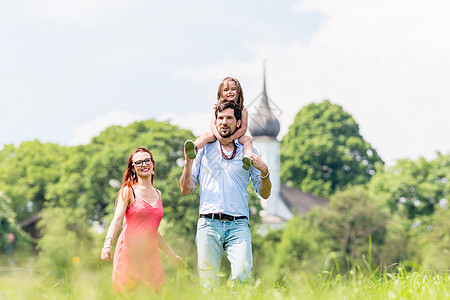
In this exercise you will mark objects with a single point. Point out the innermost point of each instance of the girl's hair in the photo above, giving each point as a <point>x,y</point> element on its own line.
<point>240,92</point>
<point>129,176</point>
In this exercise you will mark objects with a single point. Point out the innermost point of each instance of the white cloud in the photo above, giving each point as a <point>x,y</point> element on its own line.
<point>197,122</point>
<point>85,132</point>
<point>386,62</point>
<point>85,11</point>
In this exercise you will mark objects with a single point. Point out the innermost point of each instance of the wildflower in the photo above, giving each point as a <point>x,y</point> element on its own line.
<point>75,260</point>
<point>131,284</point>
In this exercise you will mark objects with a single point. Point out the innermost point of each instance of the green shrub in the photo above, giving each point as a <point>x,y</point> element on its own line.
<point>65,241</point>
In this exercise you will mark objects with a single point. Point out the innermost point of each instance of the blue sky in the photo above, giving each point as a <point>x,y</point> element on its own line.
<point>69,69</point>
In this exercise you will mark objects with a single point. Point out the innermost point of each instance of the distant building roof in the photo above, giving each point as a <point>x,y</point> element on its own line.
<point>264,122</point>
<point>272,219</point>
<point>29,226</point>
<point>300,201</point>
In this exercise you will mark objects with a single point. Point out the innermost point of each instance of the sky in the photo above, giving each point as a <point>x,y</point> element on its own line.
<point>69,69</point>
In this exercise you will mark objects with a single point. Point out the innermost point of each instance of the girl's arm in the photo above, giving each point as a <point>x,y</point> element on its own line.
<point>176,260</point>
<point>213,127</point>
<point>116,224</point>
<point>243,129</point>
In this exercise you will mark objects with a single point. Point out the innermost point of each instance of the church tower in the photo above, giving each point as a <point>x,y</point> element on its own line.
<point>264,128</point>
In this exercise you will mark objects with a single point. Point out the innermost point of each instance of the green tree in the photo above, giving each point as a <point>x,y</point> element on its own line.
<point>434,241</point>
<point>85,179</point>
<point>108,155</point>
<point>298,246</point>
<point>66,240</point>
<point>323,151</point>
<point>400,242</point>
<point>27,171</point>
<point>414,188</point>
<point>353,220</point>
<point>70,186</point>
<point>8,224</point>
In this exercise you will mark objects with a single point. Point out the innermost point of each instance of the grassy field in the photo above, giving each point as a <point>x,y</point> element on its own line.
<point>26,282</point>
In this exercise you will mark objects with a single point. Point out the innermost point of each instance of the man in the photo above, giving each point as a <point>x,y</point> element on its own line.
<point>223,225</point>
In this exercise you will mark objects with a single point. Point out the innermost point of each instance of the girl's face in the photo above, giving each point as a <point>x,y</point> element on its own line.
<point>229,91</point>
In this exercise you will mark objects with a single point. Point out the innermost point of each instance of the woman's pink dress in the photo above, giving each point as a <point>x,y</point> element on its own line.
<point>137,260</point>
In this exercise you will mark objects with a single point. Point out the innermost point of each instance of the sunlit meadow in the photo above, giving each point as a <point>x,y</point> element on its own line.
<point>92,280</point>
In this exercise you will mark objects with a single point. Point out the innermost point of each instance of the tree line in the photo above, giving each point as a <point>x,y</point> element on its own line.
<point>376,215</point>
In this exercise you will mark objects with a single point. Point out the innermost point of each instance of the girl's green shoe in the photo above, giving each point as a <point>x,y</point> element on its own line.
<point>190,148</point>
<point>246,162</point>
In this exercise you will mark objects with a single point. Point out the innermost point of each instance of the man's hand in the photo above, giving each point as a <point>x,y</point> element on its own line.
<point>259,164</point>
<point>265,185</point>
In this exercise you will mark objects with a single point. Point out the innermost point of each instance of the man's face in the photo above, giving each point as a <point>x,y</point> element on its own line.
<point>226,122</point>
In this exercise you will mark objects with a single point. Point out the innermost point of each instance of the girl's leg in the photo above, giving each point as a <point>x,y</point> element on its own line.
<point>205,138</point>
<point>247,142</point>
<point>192,147</point>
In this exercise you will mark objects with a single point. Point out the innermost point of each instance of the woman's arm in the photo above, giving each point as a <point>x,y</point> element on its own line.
<point>116,223</point>
<point>176,260</point>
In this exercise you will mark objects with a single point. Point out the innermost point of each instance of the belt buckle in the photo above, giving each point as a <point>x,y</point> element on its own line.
<point>218,216</point>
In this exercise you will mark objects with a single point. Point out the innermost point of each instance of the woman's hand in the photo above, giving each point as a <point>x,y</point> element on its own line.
<point>106,253</point>
<point>177,262</point>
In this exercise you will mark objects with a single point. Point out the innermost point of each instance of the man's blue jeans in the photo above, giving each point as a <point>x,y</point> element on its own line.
<point>214,237</point>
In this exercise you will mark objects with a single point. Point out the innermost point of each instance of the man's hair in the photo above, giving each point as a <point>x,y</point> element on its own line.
<point>229,104</point>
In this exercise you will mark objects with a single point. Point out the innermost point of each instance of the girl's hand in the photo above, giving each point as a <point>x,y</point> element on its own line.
<point>106,253</point>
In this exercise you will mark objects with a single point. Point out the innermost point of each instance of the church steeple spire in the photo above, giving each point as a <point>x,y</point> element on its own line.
<point>264,76</point>
<point>263,121</point>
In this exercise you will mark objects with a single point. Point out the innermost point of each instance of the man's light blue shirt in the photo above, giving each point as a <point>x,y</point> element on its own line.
<point>223,183</point>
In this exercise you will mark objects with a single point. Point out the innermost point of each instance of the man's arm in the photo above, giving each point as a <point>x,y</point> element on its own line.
<point>265,186</point>
<point>186,182</point>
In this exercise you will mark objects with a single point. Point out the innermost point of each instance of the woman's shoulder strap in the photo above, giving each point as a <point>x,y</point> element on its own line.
<point>132,189</point>
<point>130,199</point>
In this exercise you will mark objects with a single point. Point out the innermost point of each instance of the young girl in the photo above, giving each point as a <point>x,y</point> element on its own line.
<point>229,90</point>
<point>139,209</point>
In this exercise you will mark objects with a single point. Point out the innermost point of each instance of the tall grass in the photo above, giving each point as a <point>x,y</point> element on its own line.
<point>93,281</point>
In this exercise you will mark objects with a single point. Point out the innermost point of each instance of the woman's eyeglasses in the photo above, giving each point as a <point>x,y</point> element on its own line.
<point>140,163</point>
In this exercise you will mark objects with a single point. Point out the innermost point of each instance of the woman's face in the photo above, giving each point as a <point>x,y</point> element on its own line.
<point>143,164</point>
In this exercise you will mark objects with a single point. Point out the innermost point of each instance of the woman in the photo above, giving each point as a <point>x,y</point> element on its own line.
<point>138,207</point>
